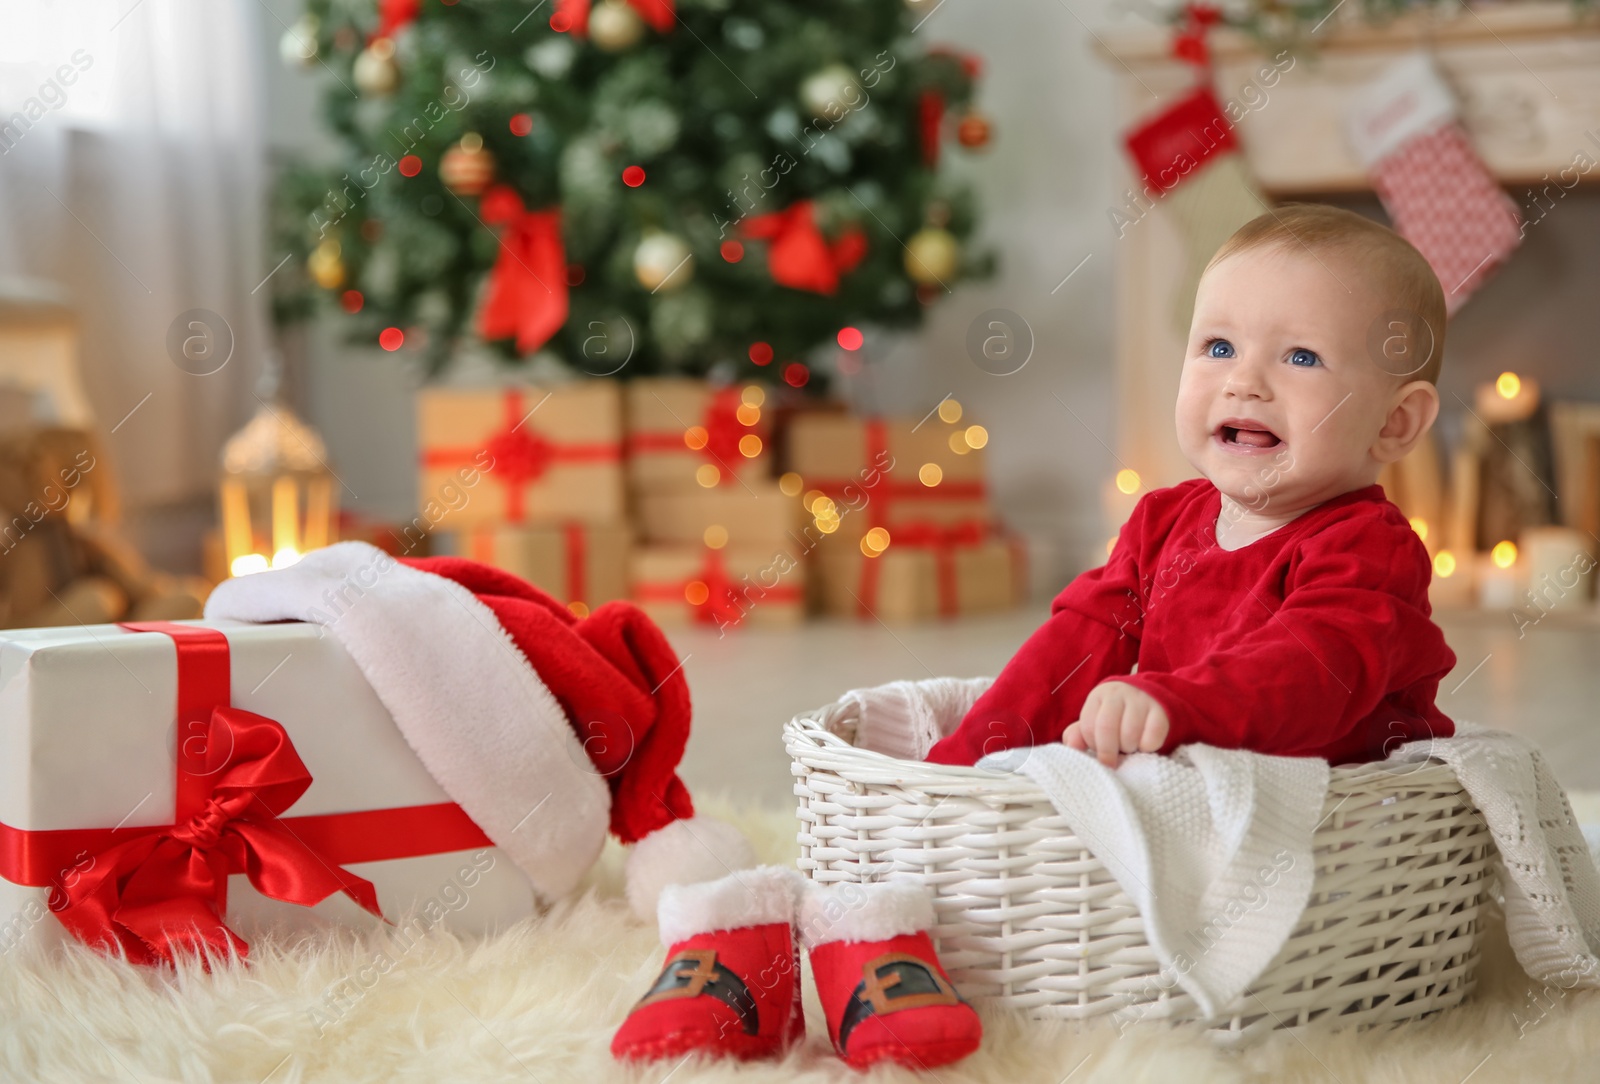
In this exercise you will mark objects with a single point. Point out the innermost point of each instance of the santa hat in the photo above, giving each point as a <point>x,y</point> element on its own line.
<point>547,729</point>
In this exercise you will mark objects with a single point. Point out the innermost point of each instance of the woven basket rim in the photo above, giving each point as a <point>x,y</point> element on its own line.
<point>811,729</point>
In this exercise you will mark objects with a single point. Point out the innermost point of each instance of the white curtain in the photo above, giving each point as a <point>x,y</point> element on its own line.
<point>134,178</point>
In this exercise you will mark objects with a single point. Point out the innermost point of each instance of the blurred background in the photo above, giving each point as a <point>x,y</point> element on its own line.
<point>858,316</point>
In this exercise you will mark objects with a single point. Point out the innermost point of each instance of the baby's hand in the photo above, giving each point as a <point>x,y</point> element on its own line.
<point>1118,718</point>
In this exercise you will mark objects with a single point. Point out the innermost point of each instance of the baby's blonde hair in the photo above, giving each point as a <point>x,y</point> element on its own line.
<point>1399,274</point>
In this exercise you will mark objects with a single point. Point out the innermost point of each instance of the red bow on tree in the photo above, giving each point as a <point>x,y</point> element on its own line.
<point>658,13</point>
<point>797,254</point>
<point>528,287</point>
<point>163,893</point>
<point>394,16</point>
<point>1190,42</point>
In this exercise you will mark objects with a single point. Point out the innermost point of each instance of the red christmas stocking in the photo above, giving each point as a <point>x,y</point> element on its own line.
<point>1192,166</point>
<point>882,989</point>
<point>730,986</point>
<point>1438,192</point>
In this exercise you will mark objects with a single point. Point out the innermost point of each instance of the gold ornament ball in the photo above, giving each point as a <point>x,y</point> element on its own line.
<point>325,266</point>
<point>375,70</point>
<point>932,256</point>
<point>298,46</point>
<point>615,26</point>
<point>467,168</point>
<point>663,261</point>
<point>974,131</point>
<point>832,92</point>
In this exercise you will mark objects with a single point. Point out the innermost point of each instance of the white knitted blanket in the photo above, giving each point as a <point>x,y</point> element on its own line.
<point>1214,845</point>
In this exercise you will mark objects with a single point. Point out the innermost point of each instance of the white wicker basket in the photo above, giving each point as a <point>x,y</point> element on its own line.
<point>1030,919</point>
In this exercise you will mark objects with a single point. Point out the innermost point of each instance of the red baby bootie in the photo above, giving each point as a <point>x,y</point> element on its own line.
<point>883,992</point>
<point>730,986</point>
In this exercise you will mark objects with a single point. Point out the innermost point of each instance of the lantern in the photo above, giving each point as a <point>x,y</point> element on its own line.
<point>277,492</point>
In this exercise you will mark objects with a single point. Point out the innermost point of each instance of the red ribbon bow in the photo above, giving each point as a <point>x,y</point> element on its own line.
<point>528,285</point>
<point>658,13</point>
<point>797,254</point>
<point>162,893</point>
<point>721,607</point>
<point>1190,42</point>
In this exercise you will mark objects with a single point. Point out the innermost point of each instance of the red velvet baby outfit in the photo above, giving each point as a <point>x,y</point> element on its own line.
<point>1313,640</point>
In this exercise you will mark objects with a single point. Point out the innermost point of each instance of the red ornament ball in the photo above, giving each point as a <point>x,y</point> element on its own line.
<point>732,251</point>
<point>761,353</point>
<point>633,176</point>
<point>560,22</point>
<point>410,166</point>
<point>795,374</point>
<point>391,338</point>
<point>521,124</point>
<point>974,131</point>
<point>850,338</point>
<point>574,274</point>
<point>351,300</point>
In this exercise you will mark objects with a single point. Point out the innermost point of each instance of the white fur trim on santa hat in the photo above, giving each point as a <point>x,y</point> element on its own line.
<point>863,912</point>
<point>683,852</point>
<point>462,693</point>
<point>752,897</point>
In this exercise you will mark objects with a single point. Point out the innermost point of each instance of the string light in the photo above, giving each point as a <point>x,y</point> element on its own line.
<point>791,484</point>
<point>1508,385</point>
<point>707,475</point>
<point>1504,554</point>
<point>1420,525</point>
<point>716,536</point>
<point>1444,564</point>
<point>930,474</point>
<point>977,436</point>
<point>950,411</point>
<point>696,437</point>
<point>749,445</point>
<point>1128,481</point>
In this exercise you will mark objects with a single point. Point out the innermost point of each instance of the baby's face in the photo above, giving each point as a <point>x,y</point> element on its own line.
<point>1280,402</point>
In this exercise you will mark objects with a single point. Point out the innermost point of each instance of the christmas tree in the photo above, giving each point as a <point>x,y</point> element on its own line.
<point>723,184</point>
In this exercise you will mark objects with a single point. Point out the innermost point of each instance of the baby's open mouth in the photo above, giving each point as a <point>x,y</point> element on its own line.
<point>1243,437</point>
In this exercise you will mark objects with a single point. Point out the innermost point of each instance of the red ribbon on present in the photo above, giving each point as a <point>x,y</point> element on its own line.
<point>527,296</point>
<point>658,13</point>
<point>574,548</point>
<point>521,456</point>
<point>724,431</point>
<point>722,594</point>
<point>797,254</point>
<point>943,541</point>
<point>160,892</point>
<point>886,490</point>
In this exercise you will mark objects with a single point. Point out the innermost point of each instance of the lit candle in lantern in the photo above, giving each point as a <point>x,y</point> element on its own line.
<point>1500,577</point>
<point>1452,585</point>
<point>1509,398</point>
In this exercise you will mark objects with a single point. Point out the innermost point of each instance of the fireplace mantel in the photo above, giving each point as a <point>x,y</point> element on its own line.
<point>1527,76</point>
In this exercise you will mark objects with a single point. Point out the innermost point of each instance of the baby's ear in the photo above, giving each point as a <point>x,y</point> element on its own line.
<point>1412,411</point>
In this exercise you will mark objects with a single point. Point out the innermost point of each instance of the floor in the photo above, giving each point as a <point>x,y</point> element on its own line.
<point>1544,684</point>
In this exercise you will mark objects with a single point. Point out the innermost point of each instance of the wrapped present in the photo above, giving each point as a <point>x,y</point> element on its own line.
<point>921,571</point>
<point>751,514</point>
<point>875,472</point>
<point>727,588</point>
<point>169,787</point>
<point>581,564</point>
<point>521,454</point>
<point>684,434</point>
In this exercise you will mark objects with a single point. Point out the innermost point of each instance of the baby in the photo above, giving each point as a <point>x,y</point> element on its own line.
<point>1279,603</point>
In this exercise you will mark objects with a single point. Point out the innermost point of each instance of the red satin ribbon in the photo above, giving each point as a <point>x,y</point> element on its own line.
<point>886,490</point>
<point>575,545</point>
<point>521,456</point>
<point>797,254</point>
<point>722,594</point>
<point>723,429</point>
<point>658,13</point>
<point>943,541</point>
<point>160,892</point>
<point>527,296</point>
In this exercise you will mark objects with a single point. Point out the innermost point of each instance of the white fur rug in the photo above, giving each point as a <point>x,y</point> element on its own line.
<point>539,1003</point>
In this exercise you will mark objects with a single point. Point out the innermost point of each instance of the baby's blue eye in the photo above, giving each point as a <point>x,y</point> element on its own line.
<point>1219,348</point>
<point>1304,358</point>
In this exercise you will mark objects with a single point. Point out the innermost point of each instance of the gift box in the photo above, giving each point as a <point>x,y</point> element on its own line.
<point>725,588</point>
<point>750,514</point>
<point>145,768</point>
<point>522,455</point>
<point>581,564</point>
<point>684,434</point>
<point>875,472</point>
<point>923,571</point>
